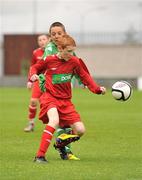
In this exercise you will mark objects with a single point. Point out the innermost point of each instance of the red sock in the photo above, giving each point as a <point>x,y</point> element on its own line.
<point>45,140</point>
<point>32,112</point>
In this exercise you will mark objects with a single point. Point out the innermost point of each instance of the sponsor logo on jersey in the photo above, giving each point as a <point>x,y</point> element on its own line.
<point>61,78</point>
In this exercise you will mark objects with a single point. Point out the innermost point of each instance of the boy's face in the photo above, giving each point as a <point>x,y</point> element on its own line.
<point>56,34</point>
<point>42,41</point>
<point>66,53</point>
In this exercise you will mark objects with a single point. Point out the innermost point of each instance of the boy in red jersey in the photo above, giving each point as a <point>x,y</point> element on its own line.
<point>57,31</point>
<point>56,106</point>
<point>42,41</point>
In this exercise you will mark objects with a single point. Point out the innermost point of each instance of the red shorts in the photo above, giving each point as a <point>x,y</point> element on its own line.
<point>67,113</point>
<point>36,92</point>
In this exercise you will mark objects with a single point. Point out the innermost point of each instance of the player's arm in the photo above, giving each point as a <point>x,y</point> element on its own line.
<point>85,69</point>
<point>84,66</point>
<point>36,69</point>
<point>88,80</point>
<point>34,58</point>
<point>33,61</point>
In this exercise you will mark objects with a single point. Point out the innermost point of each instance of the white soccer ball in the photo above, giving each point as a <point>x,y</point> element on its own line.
<point>121,90</point>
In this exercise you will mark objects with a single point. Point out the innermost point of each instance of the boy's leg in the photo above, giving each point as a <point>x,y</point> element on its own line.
<point>62,151</point>
<point>36,93</point>
<point>45,142</point>
<point>53,122</point>
<point>31,117</point>
<point>78,128</point>
<point>65,152</point>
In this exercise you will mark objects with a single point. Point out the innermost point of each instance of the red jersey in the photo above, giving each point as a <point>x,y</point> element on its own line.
<point>59,74</point>
<point>84,66</point>
<point>37,56</point>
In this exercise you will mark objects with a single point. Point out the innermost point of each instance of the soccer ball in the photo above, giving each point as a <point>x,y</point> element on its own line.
<point>121,90</point>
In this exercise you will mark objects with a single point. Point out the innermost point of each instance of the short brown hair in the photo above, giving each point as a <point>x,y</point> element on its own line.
<point>57,24</point>
<point>67,41</point>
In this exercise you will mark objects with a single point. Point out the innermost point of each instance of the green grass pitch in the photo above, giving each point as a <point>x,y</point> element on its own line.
<point>111,149</point>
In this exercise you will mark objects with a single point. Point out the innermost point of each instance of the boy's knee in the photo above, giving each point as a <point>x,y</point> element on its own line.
<point>81,131</point>
<point>33,102</point>
<point>79,128</point>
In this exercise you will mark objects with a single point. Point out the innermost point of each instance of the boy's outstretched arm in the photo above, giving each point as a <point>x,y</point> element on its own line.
<point>89,82</point>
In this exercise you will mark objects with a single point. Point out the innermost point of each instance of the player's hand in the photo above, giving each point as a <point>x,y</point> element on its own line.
<point>103,89</point>
<point>34,77</point>
<point>29,85</point>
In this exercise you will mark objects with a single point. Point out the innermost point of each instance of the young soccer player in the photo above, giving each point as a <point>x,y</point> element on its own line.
<point>42,41</point>
<point>57,31</point>
<point>56,106</point>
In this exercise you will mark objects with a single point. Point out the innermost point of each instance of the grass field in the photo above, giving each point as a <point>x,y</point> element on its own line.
<point>111,149</point>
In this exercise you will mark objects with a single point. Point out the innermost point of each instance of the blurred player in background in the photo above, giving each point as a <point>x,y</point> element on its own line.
<point>55,103</point>
<point>42,41</point>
